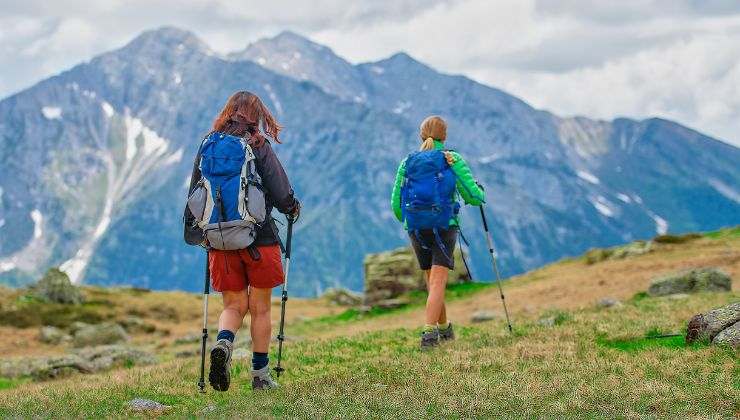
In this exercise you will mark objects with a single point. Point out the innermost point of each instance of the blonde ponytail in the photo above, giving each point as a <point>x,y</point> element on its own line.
<point>427,144</point>
<point>432,128</point>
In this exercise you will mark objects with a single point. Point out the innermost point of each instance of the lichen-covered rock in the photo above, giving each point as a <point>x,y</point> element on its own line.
<point>53,335</point>
<point>99,334</point>
<point>56,287</point>
<point>141,404</point>
<point>691,281</point>
<point>483,316</point>
<point>730,336</point>
<point>705,327</point>
<point>608,302</point>
<point>106,357</point>
<point>342,297</point>
<point>633,249</point>
<point>44,367</point>
<point>392,273</point>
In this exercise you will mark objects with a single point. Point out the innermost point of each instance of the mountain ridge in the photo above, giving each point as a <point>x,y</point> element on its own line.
<point>556,185</point>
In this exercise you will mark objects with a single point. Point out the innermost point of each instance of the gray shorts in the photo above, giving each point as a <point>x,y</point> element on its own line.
<point>428,251</point>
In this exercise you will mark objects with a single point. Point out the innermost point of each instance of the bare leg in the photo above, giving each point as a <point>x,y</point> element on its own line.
<point>443,314</point>
<point>261,325</point>
<point>435,301</point>
<point>236,305</point>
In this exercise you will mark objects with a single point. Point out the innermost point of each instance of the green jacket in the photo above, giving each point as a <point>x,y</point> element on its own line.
<point>468,189</point>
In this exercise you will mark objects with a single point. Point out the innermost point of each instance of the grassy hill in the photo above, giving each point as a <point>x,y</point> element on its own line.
<point>586,361</point>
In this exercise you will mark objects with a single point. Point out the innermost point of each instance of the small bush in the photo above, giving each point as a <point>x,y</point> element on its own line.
<point>676,239</point>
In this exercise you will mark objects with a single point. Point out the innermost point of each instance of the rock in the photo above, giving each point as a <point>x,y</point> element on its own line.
<point>391,303</point>
<point>134,324</point>
<point>596,255</point>
<point>188,339</point>
<point>390,274</point>
<point>691,281</point>
<point>106,357</point>
<point>41,368</point>
<point>187,353</point>
<point>730,336</point>
<point>56,287</point>
<point>608,302</point>
<point>483,316</point>
<point>547,321</point>
<point>141,404</point>
<point>53,335</point>
<point>77,325</point>
<point>241,353</point>
<point>99,334</point>
<point>705,327</point>
<point>342,297</point>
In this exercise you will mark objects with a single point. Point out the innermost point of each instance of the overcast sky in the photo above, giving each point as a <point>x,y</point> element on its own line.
<point>678,59</point>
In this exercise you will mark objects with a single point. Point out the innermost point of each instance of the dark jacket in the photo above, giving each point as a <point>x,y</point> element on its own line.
<point>278,194</point>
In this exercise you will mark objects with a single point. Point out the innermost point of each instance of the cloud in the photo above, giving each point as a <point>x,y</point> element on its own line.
<point>677,59</point>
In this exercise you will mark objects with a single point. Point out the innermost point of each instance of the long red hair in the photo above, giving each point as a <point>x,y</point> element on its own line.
<point>244,113</point>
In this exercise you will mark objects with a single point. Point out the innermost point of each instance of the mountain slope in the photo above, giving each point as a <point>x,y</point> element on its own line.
<point>94,163</point>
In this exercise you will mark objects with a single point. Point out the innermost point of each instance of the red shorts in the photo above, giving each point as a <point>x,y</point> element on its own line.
<point>235,270</point>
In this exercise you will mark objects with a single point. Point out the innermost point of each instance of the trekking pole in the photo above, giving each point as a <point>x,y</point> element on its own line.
<point>284,298</point>
<point>206,292</point>
<point>460,240</point>
<point>495,265</point>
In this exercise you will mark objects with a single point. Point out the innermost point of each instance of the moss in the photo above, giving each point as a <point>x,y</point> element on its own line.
<point>25,314</point>
<point>727,233</point>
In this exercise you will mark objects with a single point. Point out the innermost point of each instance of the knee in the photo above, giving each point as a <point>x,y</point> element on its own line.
<point>241,307</point>
<point>260,310</point>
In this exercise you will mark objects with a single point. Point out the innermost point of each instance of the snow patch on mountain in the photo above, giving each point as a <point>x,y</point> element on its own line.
<point>603,206</point>
<point>107,109</point>
<point>52,112</point>
<point>401,107</point>
<point>177,78</point>
<point>588,177</point>
<point>36,251</point>
<point>661,224</point>
<point>377,69</point>
<point>274,98</point>
<point>725,189</point>
<point>624,197</point>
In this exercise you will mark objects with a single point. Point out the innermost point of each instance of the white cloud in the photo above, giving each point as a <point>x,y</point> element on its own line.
<point>678,59</point>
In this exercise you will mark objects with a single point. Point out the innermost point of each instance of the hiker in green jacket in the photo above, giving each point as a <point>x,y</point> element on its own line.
<point>434,247</point>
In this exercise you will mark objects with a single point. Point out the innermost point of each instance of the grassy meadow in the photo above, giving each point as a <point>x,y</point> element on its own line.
<point>591,361</point>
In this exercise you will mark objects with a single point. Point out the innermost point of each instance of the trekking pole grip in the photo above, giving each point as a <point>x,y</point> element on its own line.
<point>483,217</point>
<point>289,239</point>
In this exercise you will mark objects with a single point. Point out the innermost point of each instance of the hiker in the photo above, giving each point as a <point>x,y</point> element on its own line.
<point>424,199</point>
<point>245,277</point>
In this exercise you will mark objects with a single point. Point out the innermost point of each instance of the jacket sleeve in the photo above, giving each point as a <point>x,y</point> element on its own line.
<point>396,195</point>
<point>275,180</point>
<point>467,187</point>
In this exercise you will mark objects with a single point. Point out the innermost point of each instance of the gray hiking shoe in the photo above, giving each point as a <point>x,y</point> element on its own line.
<point>447,334</point>
<point>220,365</point>
<point>430,339</point>
<point>262,380</point>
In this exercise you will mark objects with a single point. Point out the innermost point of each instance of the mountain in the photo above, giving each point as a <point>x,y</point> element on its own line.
<point>94,163</point>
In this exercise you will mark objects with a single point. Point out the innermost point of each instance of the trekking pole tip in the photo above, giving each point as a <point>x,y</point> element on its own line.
<point>278,370</point>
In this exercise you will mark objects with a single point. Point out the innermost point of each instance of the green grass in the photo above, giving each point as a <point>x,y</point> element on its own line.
<point>6,383</point>
<point>727,233</point>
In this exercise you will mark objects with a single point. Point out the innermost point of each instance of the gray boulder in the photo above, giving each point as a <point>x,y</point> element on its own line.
<point>608,302</point>
<point>106,357</point>
<point>53,335</point>
<point>41,368</point>
<point>705,327</point>
<point>483,316</point>
<point>99,334</point>
<point>56,287</point>
<point>730,336</point>
<point>342,297</point>
<point>691,281</point>
<point>390,274</point>
<point>141,404</point>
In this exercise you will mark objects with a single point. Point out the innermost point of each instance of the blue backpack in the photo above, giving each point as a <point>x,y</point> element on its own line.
<point>228,203</point>
<point>428,193</point>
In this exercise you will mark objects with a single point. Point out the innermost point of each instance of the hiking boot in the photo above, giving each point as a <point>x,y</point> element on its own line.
<point>429,339</point>
<point>220,365</point>
<point>262,380</point>
<point>447,334</point>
